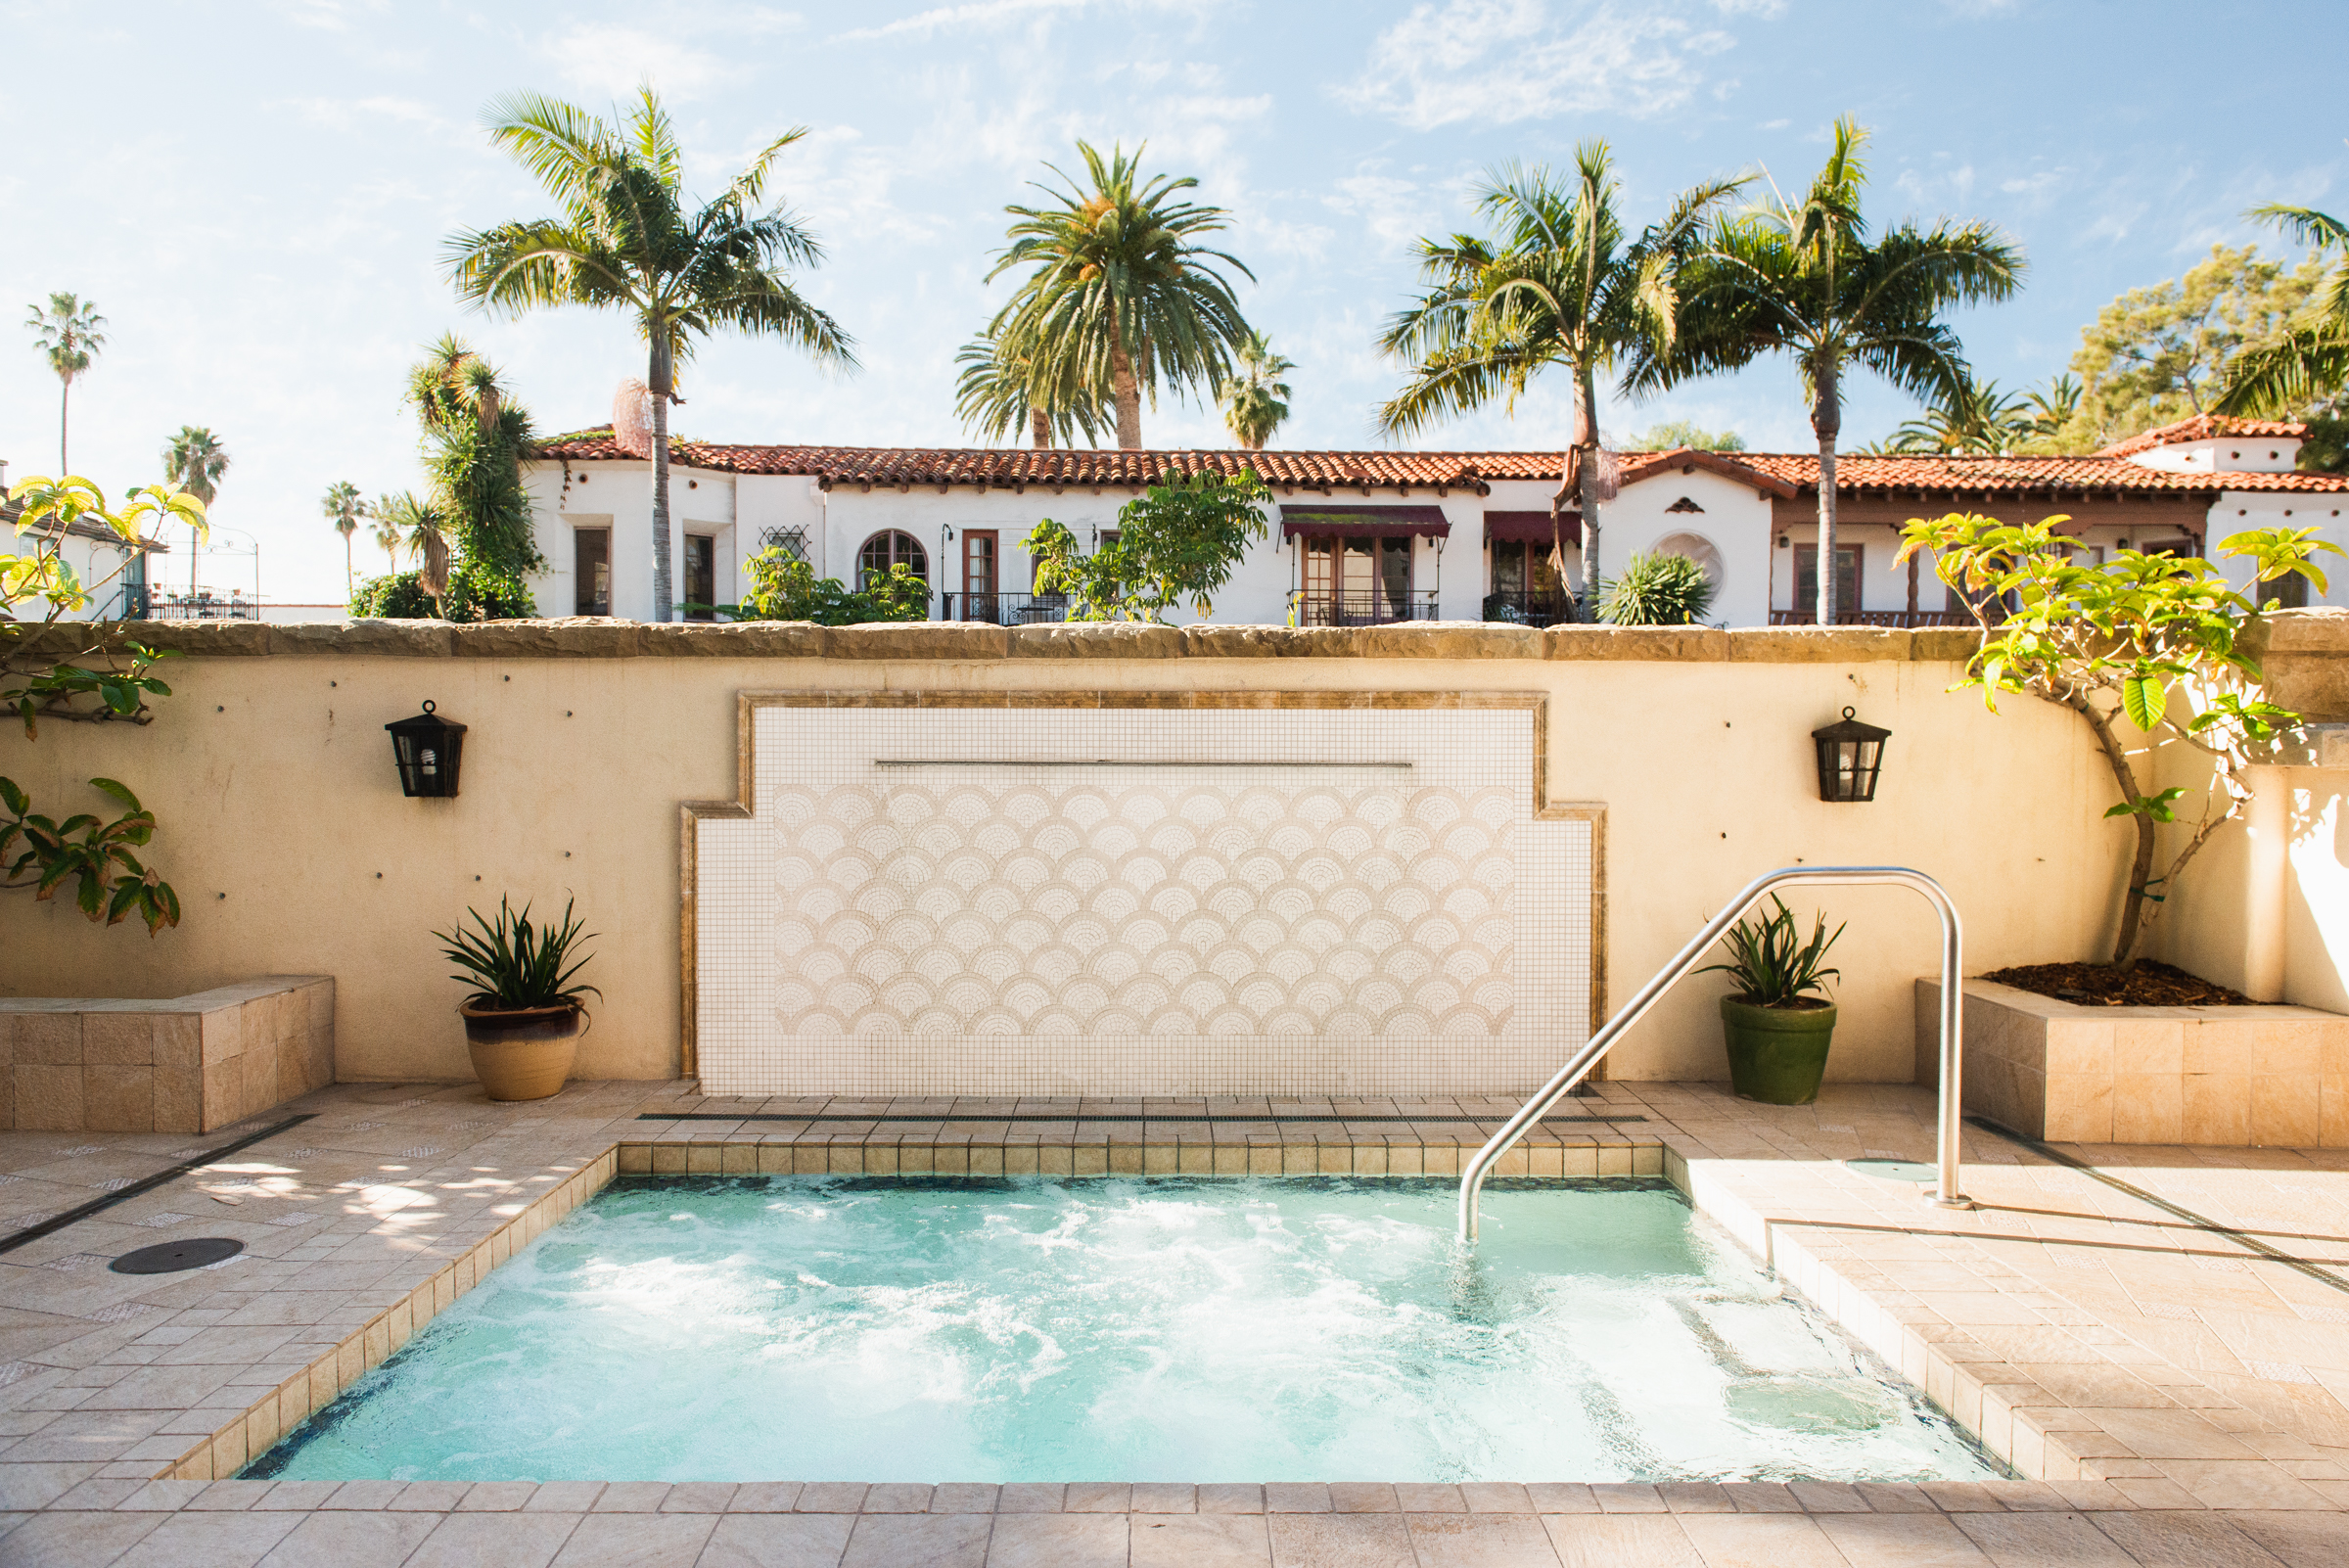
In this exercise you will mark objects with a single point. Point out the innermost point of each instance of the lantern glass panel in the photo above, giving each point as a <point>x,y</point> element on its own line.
<point>427,751</point>
<point>1851,754</point>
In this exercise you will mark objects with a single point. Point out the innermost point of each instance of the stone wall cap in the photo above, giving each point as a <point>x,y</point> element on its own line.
<point>2032,1003</point>
<point>234,993</point>
<point>2320,633</point>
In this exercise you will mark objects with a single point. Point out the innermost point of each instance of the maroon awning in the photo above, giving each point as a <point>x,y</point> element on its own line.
<point>1355,521</point>
<point>1531,528</point>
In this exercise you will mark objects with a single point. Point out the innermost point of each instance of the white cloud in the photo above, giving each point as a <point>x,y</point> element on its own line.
<point>608,59</point>
<point>1396,210</point>
<point>2034,185</point>
<point>979,14</point>
<point>1500,61</point>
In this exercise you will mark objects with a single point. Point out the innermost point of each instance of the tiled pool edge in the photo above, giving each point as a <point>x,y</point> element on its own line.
<point>1543,1155</point>
<point>238,1443</point>
<point>2006,1431</point>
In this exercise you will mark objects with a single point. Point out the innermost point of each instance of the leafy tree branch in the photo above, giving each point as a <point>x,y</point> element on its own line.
<point>2120,643</point>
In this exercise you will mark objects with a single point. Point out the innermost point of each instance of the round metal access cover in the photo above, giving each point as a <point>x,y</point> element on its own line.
<point>170,1257</point>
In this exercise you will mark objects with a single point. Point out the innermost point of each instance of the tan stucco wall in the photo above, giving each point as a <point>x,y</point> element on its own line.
<point>284,831</point>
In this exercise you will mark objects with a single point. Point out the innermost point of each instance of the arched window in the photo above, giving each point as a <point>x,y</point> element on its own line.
<point>892,548</point>
<point>1697,547</point>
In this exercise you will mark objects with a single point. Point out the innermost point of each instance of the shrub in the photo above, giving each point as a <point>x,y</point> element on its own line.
<point>478,590</point>
<point>1656,590</point>
<point>784,587</point>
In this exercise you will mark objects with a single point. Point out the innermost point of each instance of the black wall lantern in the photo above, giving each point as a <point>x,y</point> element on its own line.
<point>428,748</point>
<point>1849,755</point>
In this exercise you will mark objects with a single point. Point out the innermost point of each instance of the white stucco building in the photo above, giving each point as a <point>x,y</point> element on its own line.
<point>1383,536</point>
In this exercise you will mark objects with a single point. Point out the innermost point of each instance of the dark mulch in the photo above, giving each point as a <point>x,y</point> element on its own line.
<point>2146,983</point>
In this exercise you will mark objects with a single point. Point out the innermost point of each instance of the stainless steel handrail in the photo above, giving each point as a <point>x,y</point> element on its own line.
<point>1946,1193</point>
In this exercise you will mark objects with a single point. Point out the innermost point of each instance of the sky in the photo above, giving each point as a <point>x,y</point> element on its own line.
<point>255,195</point>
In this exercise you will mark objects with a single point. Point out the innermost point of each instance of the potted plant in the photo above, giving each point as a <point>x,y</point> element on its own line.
<point>522,1025</point>
<point>1779,1022</point>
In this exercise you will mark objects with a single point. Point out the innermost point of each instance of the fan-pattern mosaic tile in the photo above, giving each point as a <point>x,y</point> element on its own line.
<point>1202,901</point>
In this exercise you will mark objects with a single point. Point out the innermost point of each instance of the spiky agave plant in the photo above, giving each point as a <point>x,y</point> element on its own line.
<point>518,964</point>
<point>1657,590</point>
<point>1772,966</point>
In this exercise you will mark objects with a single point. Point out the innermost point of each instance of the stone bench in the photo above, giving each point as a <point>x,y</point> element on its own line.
<point>180,1064</point>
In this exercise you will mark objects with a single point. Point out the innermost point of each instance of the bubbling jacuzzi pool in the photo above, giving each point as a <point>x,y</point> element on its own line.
<point>1039,1329</point>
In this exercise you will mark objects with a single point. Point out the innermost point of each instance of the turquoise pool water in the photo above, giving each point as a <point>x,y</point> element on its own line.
<point>812,1328</point>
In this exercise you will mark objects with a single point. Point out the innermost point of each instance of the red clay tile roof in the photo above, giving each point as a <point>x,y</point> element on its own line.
<point>1780,473</point>
<point>1636,467</point>
<point>2204,428</point>
<point>2021,475</point>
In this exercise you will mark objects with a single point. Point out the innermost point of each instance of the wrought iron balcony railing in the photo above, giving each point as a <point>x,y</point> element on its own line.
<point>1902,618</point>
<point>1004,609</point>
<point>162,606</point>
<point>1372,608</point>
<point>1523,608</point>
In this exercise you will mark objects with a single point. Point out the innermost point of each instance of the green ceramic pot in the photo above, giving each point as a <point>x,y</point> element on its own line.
<point>1777,1055</point>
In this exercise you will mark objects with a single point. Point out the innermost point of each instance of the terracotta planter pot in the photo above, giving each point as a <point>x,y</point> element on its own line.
<point>1777,1055</point>
<point>525,1054</point>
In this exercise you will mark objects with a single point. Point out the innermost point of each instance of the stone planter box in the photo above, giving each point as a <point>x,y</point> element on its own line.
<point>2229,1076</point>
<point>185,1063</point>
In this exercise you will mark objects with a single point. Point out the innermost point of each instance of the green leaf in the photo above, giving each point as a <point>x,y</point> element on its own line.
<point>119,791</point>
<point>2145,701</point>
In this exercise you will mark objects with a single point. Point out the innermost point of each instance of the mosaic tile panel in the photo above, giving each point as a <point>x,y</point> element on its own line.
<point>1140,902</point>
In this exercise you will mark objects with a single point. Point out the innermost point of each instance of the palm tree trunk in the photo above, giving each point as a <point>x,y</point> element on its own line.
<point>1827,421</point>
<point>65,393</point>
<point>1040,427</point>
<point>660,380</point>
<point>1587,495</point>
<point>350,571</point>
<point>1124,387</point>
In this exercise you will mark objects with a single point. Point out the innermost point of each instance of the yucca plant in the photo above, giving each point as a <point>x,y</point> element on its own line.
<point>1770,963</point>
<point>1656,590</point>
<point>517,964</point>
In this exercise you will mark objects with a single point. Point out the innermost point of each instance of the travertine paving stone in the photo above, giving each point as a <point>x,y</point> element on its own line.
<point>2166,1366</point>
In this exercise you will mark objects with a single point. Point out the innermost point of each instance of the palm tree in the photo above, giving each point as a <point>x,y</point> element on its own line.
<point>343,508</point>
<point>627,238</point>
<point>2310,361</point>
<point>1558,282</point>
<point>996,393</point>
<point>1976,419</point>
<point>424,529</point>
<point>1257,399</point>
<point>1119,293</point>
<point>476,436</point>
<point>1804,278</point>
<point>68,334</point>
<point>2047,412</point>
<point>383,509</point>
<point>195,460</point>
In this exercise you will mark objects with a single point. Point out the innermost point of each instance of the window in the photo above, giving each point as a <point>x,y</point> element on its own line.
<point>891,548</point>
<point>2290,591</point>
<point>591,570</point>
<point>979,563</point>
<point>701,577</point>
<point>1356,580</point>
<point>1697,547</point>
<point>1524,580</point>
<point>1847,577</point>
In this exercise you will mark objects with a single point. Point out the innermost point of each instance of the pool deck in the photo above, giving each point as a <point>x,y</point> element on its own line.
<point>2157,1339</point>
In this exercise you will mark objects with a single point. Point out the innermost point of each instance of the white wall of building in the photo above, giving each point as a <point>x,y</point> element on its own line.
<point>1756,558</point>
<point>1733,518</point>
